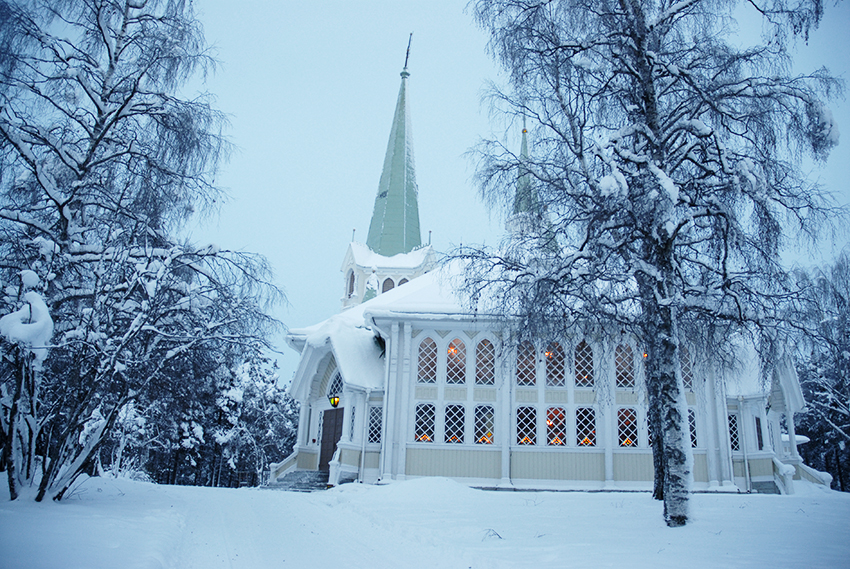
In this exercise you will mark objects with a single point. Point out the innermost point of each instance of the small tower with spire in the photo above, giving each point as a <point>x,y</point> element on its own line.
<point>529,216</point>
<point>393,253</point>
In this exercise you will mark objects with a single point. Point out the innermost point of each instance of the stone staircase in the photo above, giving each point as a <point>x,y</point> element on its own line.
<point>301,481</point>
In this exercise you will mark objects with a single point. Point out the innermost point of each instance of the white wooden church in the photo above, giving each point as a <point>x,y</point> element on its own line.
<point>404,382</point>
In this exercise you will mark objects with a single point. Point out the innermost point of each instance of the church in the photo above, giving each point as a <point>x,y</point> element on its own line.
<point>405,382</point>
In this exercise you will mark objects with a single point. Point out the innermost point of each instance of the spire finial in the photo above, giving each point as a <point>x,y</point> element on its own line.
<point>407,55</point>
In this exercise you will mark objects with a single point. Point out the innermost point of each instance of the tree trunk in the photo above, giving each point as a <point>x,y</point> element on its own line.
<point>668,408</point>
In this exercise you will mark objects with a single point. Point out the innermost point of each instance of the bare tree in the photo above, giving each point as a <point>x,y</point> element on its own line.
<point>100,161</point>
<point>666,163</point>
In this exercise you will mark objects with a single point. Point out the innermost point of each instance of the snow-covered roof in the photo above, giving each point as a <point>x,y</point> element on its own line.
<point>349,336</point>
<point>365,257</point>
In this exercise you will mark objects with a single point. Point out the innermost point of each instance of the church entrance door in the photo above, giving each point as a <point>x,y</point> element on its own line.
<point>331,433</point>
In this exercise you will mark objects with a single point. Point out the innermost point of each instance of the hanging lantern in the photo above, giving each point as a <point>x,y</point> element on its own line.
<point>334,399</point>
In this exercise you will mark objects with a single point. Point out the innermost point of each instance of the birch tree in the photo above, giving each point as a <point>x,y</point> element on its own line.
<point>667,162</point>
<point>100,163</point>
<point>825,371</point>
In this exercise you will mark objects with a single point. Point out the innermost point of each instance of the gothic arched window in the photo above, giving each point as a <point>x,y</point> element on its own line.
<point>555,365</point>
<point>584,365</point>
<point>525,364</point>
<point>427,361</point>
<point>625,366</point>
<point>456,362</point>
<point>388,285</point>
<point>485,363</point>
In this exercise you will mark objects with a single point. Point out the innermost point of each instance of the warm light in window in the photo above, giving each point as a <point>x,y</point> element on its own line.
<point>628,442</point>
<point>549,354</point>
<point>452,350</point>
<point>486,439</point>
<point>556,441</point>
<point>645,354</point>
<point>424,438</point>
<point>526,441</point>
<point>586,442</point>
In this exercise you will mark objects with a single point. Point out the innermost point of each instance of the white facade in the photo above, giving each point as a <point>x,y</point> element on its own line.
<point>446,393</point>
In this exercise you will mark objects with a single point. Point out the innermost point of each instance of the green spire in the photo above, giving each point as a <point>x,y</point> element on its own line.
<point>525,200</point>
<point>395,219</point>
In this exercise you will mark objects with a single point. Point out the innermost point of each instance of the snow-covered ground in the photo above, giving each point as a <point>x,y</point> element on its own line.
<point>119,524</point>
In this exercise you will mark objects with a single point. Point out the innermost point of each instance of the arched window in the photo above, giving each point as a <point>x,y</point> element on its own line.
<point>350,283</point>
<point>627,431</point>
<point>427,361</point>
<point>336,386</point>
<point>402,281</point>
<point>388,285</point>
<point>423,428</point>
<point>584,365</point>
<point>454,424</point>
<point>687,367</point>
<point>483,425</point>
<point>556,426</point>
<point>526,426</point>
<point>555,365</point>
<point>456,362</point>
<point>525,364</point>
<point>485,363</point>
<point>585,426</point>
<point>624,362</point>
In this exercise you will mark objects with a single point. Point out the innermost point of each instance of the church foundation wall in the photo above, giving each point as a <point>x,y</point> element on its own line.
<point>633,467</point>
<point>453,463</point>
<point>557,465</point>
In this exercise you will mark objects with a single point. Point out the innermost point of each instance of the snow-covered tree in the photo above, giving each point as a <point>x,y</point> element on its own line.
<point>825,372</point>
<point>666,162</point>
<point>100,162</point>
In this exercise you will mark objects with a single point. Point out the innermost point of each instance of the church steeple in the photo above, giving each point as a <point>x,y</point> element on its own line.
<point>395,219</point>
<point>525,199</point>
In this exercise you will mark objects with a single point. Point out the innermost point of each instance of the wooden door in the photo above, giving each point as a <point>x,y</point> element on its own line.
<point>331,433</point>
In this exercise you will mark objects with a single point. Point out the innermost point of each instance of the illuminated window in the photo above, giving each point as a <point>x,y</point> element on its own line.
<point>556,426</point>
<point>692,426</point>
<point>624,364</point>
<point>525,364</point>
<point>687,368</point>
<point>627,431</point>
<point>585,426</point>
<point>584,365</point>
<point>526,426</point>
<point>454,424</point>
<point>484,424</point>
<point>423,430</point>
<point>388,285</point>
<point>375,424</point>
<point>456,362</point>
<point>733,432</point>
<point>485,363</point>
<point>427,361</point>
<point>555,365</point>
<point>350,284</point>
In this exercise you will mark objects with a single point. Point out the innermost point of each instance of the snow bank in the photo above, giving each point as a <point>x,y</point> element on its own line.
<point>428,523</point>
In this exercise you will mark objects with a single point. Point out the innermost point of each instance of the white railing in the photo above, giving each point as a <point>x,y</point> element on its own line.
<point>816,476</point>
<point>783,474</point>
<point>279,469</point>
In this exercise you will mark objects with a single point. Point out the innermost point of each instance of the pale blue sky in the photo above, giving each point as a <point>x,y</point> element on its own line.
<point>310,88</point>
